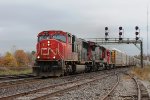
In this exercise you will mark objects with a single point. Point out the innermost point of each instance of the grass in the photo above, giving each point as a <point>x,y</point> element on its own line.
<point>142,73</point>
<point>15,71</point>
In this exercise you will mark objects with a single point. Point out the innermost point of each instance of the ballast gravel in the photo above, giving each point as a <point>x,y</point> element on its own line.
<point>91,91</point>
<point>43,83</point>
<point>126,90</point>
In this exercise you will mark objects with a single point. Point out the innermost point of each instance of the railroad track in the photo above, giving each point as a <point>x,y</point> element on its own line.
<point>67,87</point>
<point>19,82</point>
<point>142,93</point>
<point>12,83</point>
<point>52,90</point>
<point>21,93</point>
<point>9,77</point>
<point>112,89</point>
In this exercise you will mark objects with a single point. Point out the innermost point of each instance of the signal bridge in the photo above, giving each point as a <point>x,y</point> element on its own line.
<point>109,41</point>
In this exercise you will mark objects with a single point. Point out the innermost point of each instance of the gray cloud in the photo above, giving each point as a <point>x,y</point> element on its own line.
<point>22,20</point>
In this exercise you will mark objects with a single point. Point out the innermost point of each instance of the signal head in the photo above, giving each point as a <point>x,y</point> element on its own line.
<point>120,28</point>
<point>136,27</point>
<point>120,33</point>
<point>106,39</point>
<point>120,38</point>
<point>137,38</point>
<point>136,33</point>
<point>106,28</point>
<point>106,33</point>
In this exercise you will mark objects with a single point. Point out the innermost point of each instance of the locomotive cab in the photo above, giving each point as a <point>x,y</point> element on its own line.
<point>51,46</point>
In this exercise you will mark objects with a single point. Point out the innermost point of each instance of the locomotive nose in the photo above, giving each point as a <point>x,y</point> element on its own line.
<point>50,50</point>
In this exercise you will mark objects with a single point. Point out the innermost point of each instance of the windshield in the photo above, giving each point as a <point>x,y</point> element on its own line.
<point>43,37</point>
<point>59,37</point>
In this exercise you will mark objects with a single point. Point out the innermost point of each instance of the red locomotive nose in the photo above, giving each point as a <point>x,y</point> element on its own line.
<point>51,49</point>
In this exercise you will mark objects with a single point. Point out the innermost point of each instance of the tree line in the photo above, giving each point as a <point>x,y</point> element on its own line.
<point>17,59</point>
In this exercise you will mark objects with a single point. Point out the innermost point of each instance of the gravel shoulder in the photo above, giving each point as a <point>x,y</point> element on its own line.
<point>146,84</point>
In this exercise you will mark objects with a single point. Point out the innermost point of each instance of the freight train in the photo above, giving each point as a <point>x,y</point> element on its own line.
<point>61,53</point>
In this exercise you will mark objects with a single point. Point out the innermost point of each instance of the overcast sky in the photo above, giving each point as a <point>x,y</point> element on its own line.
<point>22,20</point>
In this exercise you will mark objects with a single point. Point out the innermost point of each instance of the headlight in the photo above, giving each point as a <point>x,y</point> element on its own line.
<point>38,57</point>
<point>48,41</point>
<point>54,57</point>
<point>48,44</point>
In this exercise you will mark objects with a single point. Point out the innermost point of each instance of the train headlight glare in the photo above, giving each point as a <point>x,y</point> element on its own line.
<point>54,57</point>
<point>48,42</point>
<point>38,57</point>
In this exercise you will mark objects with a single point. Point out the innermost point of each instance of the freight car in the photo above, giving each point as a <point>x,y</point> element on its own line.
<point>61,53</point>
<point>121,59</point>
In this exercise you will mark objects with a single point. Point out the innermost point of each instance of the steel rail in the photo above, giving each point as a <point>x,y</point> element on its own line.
<point>138,87</point>
<point>21,76</point>
<point>18,82</point>
<point>112,89</point>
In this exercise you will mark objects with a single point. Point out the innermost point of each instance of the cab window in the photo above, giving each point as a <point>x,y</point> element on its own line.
<point>43,37</point>
<point>59,37</point>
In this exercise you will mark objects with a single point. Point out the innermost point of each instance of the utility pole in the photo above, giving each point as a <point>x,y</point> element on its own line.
<point>141,45</point>
<point>147,32</point>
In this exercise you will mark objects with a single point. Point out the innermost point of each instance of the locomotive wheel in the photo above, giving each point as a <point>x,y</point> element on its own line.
<point>111,66</point>
<point>62,73</point>
<point>106,67</point>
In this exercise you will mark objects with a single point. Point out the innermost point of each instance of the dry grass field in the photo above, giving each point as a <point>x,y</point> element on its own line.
<point>15,71</point>
<point>142,73</point>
